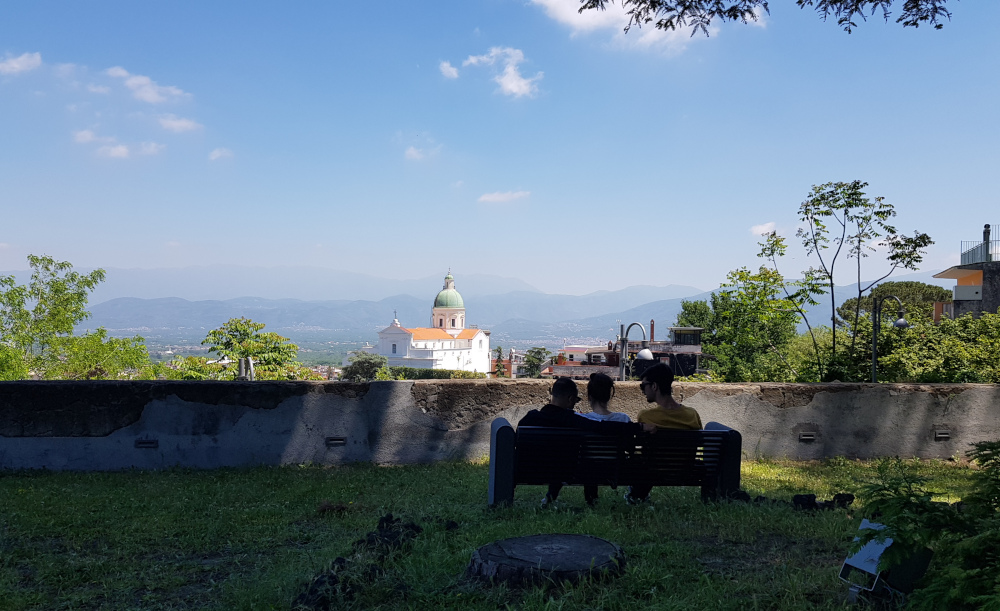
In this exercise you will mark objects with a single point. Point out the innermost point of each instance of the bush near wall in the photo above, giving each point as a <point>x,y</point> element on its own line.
<point>412,373</point>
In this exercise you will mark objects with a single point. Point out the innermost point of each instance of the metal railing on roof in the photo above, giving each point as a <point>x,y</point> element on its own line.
<point>980,252</point>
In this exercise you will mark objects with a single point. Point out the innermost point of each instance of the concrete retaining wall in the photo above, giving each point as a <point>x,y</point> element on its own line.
<point>151,425</point>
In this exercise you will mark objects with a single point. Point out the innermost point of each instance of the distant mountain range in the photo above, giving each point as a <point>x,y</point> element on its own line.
<point>513,310</point>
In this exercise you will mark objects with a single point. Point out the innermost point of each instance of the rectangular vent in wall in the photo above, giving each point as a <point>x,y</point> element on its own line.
<point>333,442</point>
<point>942,435</point>
<point>147,444</point>
<point>807,436</point>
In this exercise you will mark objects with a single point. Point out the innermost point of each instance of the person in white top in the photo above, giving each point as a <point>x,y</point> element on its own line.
<point>600,389</point>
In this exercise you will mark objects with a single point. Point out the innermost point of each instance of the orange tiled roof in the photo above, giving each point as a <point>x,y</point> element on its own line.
<point>424,333</point>
<point>468,333</point>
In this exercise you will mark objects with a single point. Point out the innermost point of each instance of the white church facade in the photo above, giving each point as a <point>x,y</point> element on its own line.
<point>446,344</point>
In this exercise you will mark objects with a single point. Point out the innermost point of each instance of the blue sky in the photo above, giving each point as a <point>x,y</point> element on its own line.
<point>497,136</point>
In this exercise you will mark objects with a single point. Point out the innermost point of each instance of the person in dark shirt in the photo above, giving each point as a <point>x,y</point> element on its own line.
<point>559,413</point>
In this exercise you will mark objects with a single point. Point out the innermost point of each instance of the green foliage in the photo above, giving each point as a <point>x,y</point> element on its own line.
<point>414,373</point>
<point>748,326</point>
<point>12,365</point>
<point>966,349</point>
<point>534,359</point>
<point>37,322</point>
<point>273,355</point>
<point>195,368</point>
<point>95,356</point>
<point>839,218</point>
<point>699,14</point>
<point>965,574</point>
<point>917,298</point>
<point>500,369</point>
<point>364,367</point>
<point>384,374</point>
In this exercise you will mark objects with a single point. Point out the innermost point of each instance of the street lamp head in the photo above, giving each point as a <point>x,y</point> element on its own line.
<point>644,355</point>
<point>901,324</point>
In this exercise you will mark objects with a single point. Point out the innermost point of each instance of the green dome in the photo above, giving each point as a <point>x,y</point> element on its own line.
<point>448,298</point>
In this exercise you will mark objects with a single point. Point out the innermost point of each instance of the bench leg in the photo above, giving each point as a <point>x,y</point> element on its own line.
<point>501,486</point>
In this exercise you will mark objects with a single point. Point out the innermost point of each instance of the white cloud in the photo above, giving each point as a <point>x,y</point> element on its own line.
<point>505,196</point>
<point>510,80</point>
<point>22,63</point>
<point>151,148</point>
<point>219,153</point>
<point>414,153</point>
<point>614,19</point>
<point>762,228</point>
<point>173,244</point>
<point>4,246</point>
<point>116,151</point>
<point>448,70</point>
<point>92,88</point>
<point>146,89</point>
<point>84,135</point>
<point>177,124</point>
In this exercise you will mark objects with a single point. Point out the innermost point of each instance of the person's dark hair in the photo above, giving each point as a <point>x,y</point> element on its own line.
<point>600,387</point>
<point>661,375</point>
<point>564,387</point>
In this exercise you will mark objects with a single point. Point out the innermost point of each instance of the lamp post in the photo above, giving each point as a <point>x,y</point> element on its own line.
<point>877,325</point>
<point>624,347</point>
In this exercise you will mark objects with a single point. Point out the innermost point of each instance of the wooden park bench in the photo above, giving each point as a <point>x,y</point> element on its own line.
<point>537,455</point>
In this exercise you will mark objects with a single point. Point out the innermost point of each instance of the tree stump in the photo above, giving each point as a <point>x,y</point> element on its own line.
<point>537,558</point>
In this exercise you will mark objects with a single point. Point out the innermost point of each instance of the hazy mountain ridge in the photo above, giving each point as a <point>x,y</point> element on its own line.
<point>512,316</point>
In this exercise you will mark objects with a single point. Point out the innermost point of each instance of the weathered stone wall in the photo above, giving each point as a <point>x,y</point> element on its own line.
<point>148,425</point>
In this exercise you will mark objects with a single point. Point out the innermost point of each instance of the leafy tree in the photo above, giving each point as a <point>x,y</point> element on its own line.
<point>240,338</point>
<point>699,14</point>
<point>32,316</point>
<point>95,356</point>
<point>698,314</point>
<point>500,369</point>
<point>748,326</point>
<point>12,365</point>
<point>917,297</point>
<point>839,219</point>
<point>534,358</point>
<point>364,367</point>
<point>194,368</point>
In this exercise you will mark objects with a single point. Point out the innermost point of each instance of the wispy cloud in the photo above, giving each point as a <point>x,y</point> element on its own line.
<point>151,148</point>
<point>219,153</point>
<point>448,70</point>
<point>177,124</point>
<point>92,88</point>
<point>21,63</point>
<point>417,154</point>
<point>146,89</point>
<point>85,136</point>
<point>115,151</point>
<point>614,20</point>
<point>511,81</point>
<point>503,196</point>
<point>762,228</point>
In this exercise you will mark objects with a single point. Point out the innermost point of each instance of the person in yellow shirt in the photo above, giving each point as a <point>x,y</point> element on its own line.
<point>656,384</point>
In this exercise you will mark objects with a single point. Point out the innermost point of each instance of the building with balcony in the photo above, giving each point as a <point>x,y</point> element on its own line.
<point>977,279</point>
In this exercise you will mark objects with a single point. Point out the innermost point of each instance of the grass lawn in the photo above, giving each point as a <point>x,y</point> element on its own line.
<point>252,538</point>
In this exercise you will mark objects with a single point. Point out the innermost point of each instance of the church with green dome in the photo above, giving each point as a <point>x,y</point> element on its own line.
<point>445,344</point>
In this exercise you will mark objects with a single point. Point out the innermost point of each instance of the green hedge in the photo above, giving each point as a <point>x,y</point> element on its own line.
<point>412,373</point>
